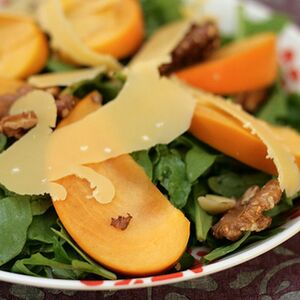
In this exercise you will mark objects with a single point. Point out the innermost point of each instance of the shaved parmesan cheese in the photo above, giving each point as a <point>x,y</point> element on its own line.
<point>288,172</point>
<point>289,137</point>
<point>137,119</point>
<point>23,165</point>
<point>64,78</point>
<point>162,43</point>
<point>65,39</point>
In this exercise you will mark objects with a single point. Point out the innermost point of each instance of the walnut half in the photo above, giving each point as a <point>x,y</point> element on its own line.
<point>17,125</point>
<point>198,44</point>
<point>247,215</point>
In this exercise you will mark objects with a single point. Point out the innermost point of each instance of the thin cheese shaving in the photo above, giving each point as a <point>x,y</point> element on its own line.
<point>288,172</point>
<point>63,78</point>
<point>65,39</point>
<point>23,165</point>
<point>137,119</point>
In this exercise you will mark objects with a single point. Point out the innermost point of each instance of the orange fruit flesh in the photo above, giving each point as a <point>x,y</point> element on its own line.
<point>244,65</point>
<point>23,48</point>
<point>112,27</point>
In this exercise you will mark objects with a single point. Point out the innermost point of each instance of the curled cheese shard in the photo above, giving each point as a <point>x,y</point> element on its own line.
<point>137,119</point>
<point>64,78</point>
<point>103,189</point>
<point>288,171</point>
<point>23,165</point>
<point>65,39</point>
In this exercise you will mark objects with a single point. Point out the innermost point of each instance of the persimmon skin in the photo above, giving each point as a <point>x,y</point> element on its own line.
<point>244,65</point>
<point>117,30</point>
<point>25,53</point>
<point>228,135</point>
<point>156,236</point>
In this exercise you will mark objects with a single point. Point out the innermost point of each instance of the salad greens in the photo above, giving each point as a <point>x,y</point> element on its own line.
<point>160,12</point>
<point>33,241</point>
<point>247,27</point>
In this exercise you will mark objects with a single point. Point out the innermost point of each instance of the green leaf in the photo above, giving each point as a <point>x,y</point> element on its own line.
<point>171,174</point>
<point>40,228</point>
<point>100,270</point>
<point>231,184</point>
<point>40,204</point>
<point>285,204</point>
<point>198,161</point>
<point>276,107</point>
<point>21,266</point>
<point>56,65</point>
<point>15,218</point>
<point>203,221</point>
<point>3,142</point>
<point>291,117</point>
<point>247,27</point>
<point>224,250</point>
<point>160,12</point>
<point>109,86</point>
<point>185,262</point>
<point>143,159</point>
<point>256,237</point>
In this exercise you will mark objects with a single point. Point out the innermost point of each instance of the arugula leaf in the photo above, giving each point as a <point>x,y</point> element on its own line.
<point>100,270</point>
<point>203,220</point>
<point>170,173</point>
<point>247,27</point>
<point>291,115</point>
<point>256,237</point>
<point>40,204</point>
<point>160,12</point>
<point>143,159</point>
<point>285,204</point>
<point>39,260</point>
<point>3,142</point>
<point>56,65</point>
<point>40,228</point>
<point>224,250</point>
<point>15,218</point>
<point>185,262</point>
<point>232,184</point>
<point>276,107</point>
<point>198,161</point>
<point>109,86</point>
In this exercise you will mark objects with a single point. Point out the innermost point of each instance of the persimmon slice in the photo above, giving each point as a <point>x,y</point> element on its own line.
<point>112,27</point>
<point>244,65</point>
<point>157,234</point>
<point>23,47</point>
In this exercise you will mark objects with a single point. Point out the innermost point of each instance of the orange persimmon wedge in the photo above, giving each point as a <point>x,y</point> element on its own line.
<point>244,65</point>
<point>156,236</point>
<point>23,47</point>
<point>112,27</point>
<point>226,134</point>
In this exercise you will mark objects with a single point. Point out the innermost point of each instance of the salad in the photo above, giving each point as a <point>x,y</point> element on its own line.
<point>219,168</point>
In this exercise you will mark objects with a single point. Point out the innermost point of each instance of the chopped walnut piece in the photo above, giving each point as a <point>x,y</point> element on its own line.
<point>65,103</point>
<point>17,125</point>
<point>251,100</point>
<point>121,222</point>
<point>199,43</point>
<point>248,215</point>
<point>54,91</point>
<point>7,100</point>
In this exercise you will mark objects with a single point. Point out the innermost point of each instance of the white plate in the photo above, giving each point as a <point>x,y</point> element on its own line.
<point>289,59</point>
